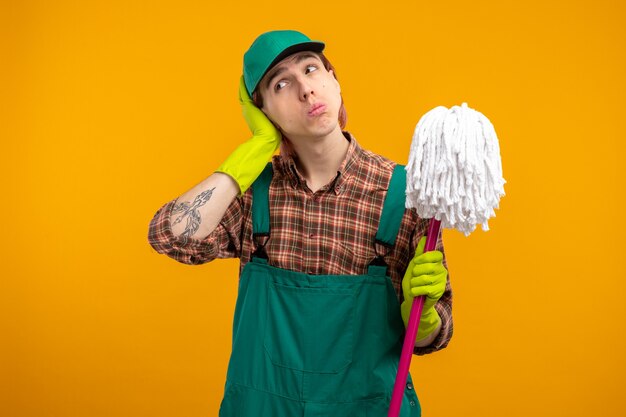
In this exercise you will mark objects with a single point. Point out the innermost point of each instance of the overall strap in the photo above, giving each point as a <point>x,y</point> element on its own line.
<point>261,209</point>
<point>391,217</point>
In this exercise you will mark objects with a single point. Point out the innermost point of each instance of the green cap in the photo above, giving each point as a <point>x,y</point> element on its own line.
<point>269,49</point>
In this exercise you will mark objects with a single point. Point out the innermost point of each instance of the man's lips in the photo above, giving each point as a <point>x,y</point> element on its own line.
<point>317,109</point>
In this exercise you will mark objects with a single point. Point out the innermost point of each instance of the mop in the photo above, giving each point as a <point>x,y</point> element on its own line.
<point>454,178</point>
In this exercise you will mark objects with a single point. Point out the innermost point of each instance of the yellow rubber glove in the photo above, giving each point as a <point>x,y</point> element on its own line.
<point>246,163</point>
<point>427,276</point>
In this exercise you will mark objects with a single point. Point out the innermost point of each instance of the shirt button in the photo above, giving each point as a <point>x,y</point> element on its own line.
<point>312,235</point>
<point>412,403</point>
<point>409,385</point>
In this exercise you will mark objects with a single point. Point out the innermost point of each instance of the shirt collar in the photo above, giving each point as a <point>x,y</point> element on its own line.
<point>344,172</point>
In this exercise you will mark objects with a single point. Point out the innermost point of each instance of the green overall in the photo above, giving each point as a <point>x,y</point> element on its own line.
<point>316,345</point>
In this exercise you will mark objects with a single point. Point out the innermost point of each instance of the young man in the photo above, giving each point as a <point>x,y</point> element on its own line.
<point>330,258</point>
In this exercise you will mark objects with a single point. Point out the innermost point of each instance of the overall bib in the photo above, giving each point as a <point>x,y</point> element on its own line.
<point>317,345</point>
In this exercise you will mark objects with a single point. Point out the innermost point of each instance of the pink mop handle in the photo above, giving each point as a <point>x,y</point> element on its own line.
<point>411,331</point>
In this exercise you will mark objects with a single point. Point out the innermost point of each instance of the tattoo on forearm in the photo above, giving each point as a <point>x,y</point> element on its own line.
<point>192,212</point>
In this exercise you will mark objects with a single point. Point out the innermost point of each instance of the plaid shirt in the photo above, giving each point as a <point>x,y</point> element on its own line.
<point>330,231</point>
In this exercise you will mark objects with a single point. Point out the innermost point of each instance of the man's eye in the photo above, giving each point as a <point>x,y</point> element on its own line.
<point>276,87</point>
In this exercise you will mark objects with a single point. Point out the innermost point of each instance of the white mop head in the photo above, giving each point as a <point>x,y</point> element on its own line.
<point>454,172</point>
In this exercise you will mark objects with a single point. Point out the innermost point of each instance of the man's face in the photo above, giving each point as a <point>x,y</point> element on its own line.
<point>291,89</point>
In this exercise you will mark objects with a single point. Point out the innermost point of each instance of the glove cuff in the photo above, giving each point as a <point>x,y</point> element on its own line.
<point>248,160</point>
<point>428,324</point>
<point>225,170</point>
<point>428,321</point>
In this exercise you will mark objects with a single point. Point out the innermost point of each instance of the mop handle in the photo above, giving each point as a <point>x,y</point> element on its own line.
<point>411,330</point>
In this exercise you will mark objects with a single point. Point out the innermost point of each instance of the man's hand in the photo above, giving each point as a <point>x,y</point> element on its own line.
<point>257,121</point>
<point>246,163</point>
<point>426,276</point>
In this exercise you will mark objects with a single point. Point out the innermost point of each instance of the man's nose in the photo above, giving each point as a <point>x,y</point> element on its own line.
<point>306,89</point>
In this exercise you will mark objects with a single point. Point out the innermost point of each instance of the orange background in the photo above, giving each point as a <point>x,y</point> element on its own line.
<point>110,109</point>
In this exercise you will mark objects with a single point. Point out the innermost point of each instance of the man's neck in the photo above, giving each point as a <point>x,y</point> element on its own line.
<point>319,160</point>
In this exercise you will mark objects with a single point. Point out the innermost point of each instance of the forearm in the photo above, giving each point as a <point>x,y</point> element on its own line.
<point>198,211</point>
